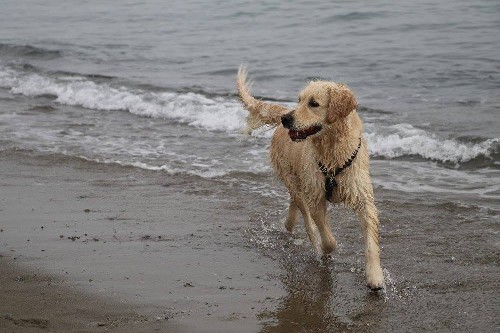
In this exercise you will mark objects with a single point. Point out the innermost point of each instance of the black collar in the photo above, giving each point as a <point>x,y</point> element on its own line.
<point>330,182</point>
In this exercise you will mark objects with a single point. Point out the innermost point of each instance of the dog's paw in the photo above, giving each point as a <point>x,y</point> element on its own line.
<point>375,278</point>
<point>329,246</point>
<point>289,224</point>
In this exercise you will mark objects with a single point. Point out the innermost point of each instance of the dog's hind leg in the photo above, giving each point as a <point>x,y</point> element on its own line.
<point>291,219</point>
<point>367,213</point>
<point>319,215</point>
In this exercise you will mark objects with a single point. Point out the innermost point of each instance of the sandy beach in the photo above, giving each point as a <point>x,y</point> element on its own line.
<point>85,245</point>
<point>91,247</point>
<point>33,301</point>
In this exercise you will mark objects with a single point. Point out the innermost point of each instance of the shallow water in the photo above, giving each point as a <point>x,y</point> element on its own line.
<point>151,86</point>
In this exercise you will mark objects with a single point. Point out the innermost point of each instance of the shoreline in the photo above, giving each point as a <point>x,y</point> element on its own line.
<point>84,244</point>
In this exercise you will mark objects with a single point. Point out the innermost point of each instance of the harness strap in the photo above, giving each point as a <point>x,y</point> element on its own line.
<point>330,182</point>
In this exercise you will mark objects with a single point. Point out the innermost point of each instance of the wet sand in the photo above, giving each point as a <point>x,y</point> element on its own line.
<point>89,247</point>
<point>143,241</point>
<point>33,301</point>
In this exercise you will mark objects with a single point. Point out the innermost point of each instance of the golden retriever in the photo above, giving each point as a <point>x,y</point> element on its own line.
<point>319,152</point>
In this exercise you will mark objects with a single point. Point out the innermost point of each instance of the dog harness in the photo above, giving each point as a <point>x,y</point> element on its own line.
<point>330,182</point>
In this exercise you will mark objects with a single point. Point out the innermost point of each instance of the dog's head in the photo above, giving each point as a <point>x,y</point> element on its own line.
<point>320,104</point>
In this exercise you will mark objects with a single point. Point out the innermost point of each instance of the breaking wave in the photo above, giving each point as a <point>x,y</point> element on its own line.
<point>405,140</point>
<point>226,114</point>
<point>189,108</point>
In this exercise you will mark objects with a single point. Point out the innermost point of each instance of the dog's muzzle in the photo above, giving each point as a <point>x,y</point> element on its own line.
<point>298,135</point>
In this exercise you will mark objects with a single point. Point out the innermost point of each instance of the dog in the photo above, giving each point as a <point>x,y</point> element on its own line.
<point>319,152</point>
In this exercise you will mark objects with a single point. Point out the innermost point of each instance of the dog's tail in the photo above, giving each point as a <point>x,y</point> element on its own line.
<point>260,113</point>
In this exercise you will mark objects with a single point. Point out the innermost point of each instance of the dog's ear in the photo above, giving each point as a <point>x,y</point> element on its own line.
<point>342,102</point>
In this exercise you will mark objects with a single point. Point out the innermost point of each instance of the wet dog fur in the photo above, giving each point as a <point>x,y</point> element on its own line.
<point>324,127</point>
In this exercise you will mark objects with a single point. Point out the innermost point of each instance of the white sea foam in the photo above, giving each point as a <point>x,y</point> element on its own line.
<point>222,114</point>
<point>203,173</point>
<point>189,108</point>
<point>404,139</point>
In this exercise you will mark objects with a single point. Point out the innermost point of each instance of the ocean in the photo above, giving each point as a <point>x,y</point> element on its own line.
<point>150,85</point>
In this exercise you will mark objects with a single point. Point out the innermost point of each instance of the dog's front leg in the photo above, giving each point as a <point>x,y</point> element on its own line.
<point>328,242</point>
<point>367,212</point>
<point>291,219</point>
<point>311,229</point>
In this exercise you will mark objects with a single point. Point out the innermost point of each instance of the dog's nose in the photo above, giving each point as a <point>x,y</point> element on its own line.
<point>287,120</point>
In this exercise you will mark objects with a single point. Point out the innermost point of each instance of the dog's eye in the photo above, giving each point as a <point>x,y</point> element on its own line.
<point>313,103</point>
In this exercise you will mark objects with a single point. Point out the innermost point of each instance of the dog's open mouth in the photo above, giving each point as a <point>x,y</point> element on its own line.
<point>297,135</point>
